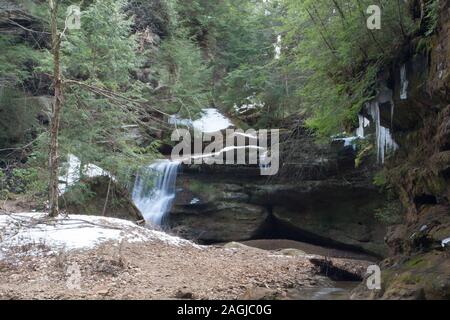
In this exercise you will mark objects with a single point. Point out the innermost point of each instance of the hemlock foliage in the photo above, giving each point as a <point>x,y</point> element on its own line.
<point>135,62</point>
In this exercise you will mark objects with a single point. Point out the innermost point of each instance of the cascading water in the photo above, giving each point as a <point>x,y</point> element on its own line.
<point>277,46</point>
<point>154,190</point>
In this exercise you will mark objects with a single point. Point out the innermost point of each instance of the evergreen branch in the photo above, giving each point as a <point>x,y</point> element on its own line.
<point>25,28</point>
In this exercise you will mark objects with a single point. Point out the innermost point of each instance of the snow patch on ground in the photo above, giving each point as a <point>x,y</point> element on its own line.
<point>73,232</point>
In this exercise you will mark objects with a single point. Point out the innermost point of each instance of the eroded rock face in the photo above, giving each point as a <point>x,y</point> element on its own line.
<point>439,77</point>
<point>224,222</point>
<point>215,212</point>
<point>420,263</point>
<point>234,207</point>
<point>340,216</point>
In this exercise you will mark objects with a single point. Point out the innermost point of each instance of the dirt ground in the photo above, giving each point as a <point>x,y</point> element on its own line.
<point>157,270</point>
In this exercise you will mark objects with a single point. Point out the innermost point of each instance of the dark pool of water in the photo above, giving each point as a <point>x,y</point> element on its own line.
<point>332,291</point>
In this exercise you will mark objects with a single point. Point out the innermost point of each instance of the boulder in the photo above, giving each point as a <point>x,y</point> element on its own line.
<point>90,200</point>
<point>417,277</point>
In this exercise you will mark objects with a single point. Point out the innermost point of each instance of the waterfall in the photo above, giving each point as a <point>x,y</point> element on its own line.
<point>277,46</point>
<point>154,190</point>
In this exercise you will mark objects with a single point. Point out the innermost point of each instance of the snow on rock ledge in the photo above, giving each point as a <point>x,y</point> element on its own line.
<point>74,232</point>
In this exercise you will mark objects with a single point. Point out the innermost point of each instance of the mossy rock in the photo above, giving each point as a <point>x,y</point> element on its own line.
<point>424,276</point>
<point>91,197</point>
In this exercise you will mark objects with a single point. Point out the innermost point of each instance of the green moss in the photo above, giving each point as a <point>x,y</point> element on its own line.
<point>417,262</point>
<point>380,179</point>
<point>431,16</point>
<point>410,278</point>
<point>79,195</point>
<point>365,151</point>
<point>390,213</point>
<point>424,45</point>
<point>423,276</point>
<point>199,187</point>
<point>20,110</point>
<point>89,197</point>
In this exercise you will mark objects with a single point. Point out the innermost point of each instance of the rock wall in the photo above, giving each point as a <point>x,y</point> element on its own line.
<point>419,267</point>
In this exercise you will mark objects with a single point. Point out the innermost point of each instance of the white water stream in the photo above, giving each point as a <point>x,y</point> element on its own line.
<point>154,190</point>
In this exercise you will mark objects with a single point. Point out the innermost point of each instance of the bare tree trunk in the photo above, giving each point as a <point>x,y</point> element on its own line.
<point>107,197</point>
<point>56,110</point>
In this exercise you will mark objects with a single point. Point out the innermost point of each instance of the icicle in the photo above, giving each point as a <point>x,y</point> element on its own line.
<point>363,123</point>
<point>392,112</point>
<point>404,83</point>
<point>384,140</point>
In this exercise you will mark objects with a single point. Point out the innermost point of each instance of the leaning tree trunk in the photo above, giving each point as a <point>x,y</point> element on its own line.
<point>56,110</point>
